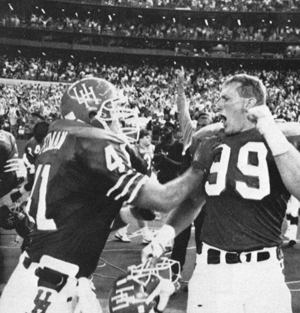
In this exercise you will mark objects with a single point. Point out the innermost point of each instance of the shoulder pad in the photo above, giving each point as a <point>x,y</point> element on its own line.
<point>208,131</point>
<point>205,132</point>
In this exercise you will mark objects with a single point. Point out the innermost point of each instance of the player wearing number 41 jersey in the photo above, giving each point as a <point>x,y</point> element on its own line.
<point>94,181</point>
<point>248,171</point>
<point>83,175</point>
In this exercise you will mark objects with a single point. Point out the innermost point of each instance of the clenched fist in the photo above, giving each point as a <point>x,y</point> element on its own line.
<point>180,75</point>
<point>262,117</point>
<point>266,125</point>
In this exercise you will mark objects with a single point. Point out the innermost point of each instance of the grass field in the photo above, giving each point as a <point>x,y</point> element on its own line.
<point>117,256</point>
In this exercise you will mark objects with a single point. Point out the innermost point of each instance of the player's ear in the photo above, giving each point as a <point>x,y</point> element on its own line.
<point>250,103</point>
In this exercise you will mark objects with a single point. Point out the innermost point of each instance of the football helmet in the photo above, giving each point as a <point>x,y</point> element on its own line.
<point>97,102</point>
<point>10,217</point>
<point>143,288</point>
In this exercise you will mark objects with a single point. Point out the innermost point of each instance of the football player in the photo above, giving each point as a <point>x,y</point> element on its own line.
<point>16,199</point>
<point>248,171</point>
<point>141,159</point>
<point>8,181</point>
<point>9,153</point>
<point>83,175</point>
<point>33,145</point>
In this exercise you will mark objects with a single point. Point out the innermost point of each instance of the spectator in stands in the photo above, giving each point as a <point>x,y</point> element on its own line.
<point>155,126</point>
<point>3,107</point>
<point>14,116</point>
<point>32,120</point>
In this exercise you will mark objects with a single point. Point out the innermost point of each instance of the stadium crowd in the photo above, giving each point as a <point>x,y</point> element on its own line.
<point>33,89</point>
<point>213,5</point>
<point>150,89</point>
<point>262,30</point>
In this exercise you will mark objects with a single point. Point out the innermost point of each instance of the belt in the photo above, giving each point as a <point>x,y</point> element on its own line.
<point>215,256</point>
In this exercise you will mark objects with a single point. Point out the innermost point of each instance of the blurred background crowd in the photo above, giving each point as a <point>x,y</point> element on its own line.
<point>138,46</point>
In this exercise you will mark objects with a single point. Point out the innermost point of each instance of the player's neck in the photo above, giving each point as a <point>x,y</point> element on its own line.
<point>247,125</point>
<point>142,147</point>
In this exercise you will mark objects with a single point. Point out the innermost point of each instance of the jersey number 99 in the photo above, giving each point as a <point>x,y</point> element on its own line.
<point>260,171</point>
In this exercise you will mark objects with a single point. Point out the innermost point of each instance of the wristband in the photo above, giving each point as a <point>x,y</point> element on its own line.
<point>275,139</point>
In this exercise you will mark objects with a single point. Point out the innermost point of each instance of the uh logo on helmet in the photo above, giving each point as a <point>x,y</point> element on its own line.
<point>143,289</point>
<point>96,101</point>
<point>84,99</point>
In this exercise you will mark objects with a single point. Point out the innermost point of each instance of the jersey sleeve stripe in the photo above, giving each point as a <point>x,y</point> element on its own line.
<point>137,188</point>
<point>127,186</point>
<point>118,184</point>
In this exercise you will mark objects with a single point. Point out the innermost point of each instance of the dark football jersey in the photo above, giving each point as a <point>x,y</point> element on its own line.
<point>168,171</point>
<point>83,174</point>
<point>137,163</point>
<point>246,198</point>
<point>31,151</point>
<point>8,150</point>
<point>146,155</point>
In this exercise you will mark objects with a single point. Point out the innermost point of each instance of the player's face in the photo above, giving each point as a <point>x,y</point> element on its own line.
<point>145,141</point>
<point>232,109</point>
<point>115,126</point>
<point>167,133</point>
<point>202,122</point>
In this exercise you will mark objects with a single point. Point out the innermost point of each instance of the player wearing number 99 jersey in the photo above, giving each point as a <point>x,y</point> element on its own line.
<point>83,175</point>
<point>244,187</point>
<point>249,171</point>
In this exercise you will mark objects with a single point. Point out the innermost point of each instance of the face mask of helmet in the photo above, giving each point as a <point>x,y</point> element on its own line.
<point>144,288</point>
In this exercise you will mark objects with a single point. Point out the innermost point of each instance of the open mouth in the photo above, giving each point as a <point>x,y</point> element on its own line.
<point>222,118</point>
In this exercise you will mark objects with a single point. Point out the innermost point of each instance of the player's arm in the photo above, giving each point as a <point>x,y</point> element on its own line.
<point>183,110</point>
<point>144,191</point>
<point>288,164</point>
<point>8,152</point>
<point>286,156</point>
<point>155,196</point>
<point>290,128</point>
<point>24,170</point>
<point>178,220</point>
<point>189,209</point>
<point>173,162</point>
